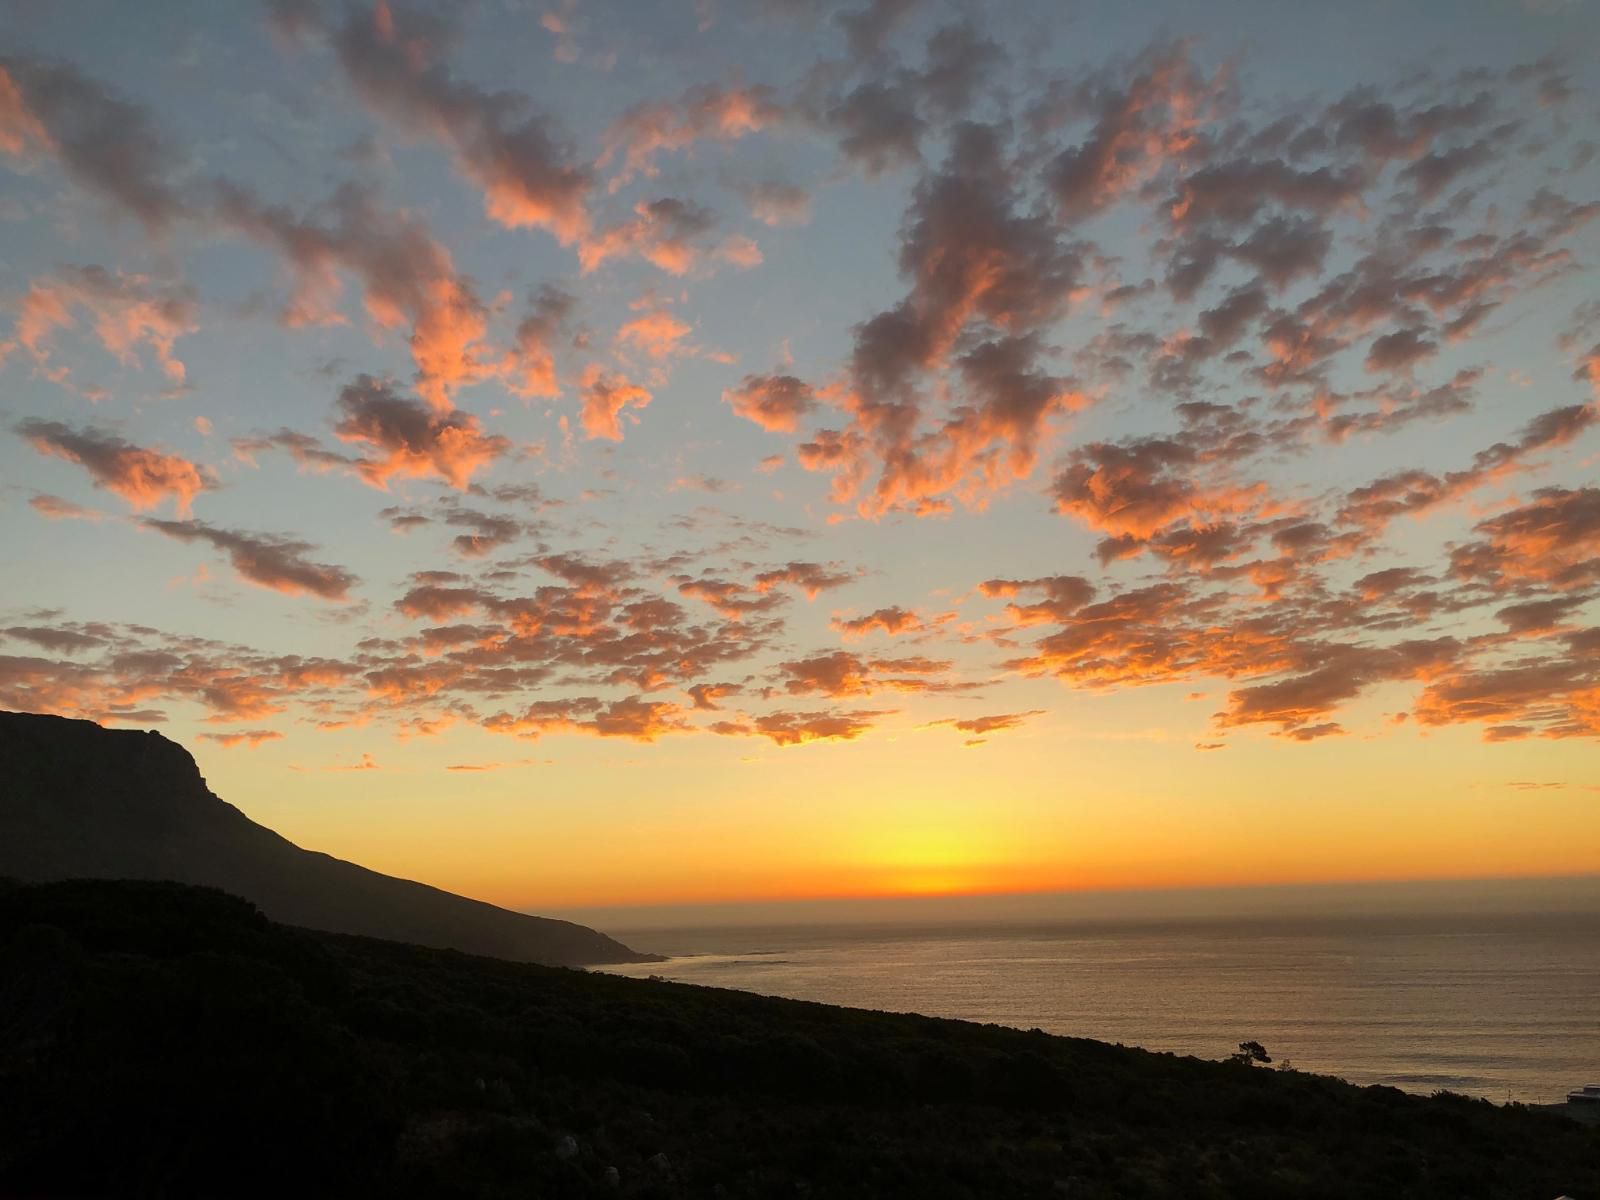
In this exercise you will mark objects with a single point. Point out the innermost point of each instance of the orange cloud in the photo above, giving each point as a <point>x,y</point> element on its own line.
<point>438,603</point>
<point>32,684</point>
<point>996,722</point>
<point>1140,126</point>
<point>128,311</point>
<point>144,478</point>
<point>114,670</point>
<point>987,279</point>
<point>797,728</point>
<point>1554,540</point>
<point>663,232</point>
<point>811,578</point>
<point>529,368</point>
<point>1139,488</point>
<point>19,128</point>
<point>104,143</point>
<point>980,727</point>
<point>600,628</point>
<point>1338,674</point>
<point>893,620</point>
<point>589,577</point>
<point>836,674</point>
<point>658,334</point>
<point>633,718</point>
<point>410,439</point>
<point>605,396</point>
<point>1155,634</point>
<point>841,673</point>
<point>1555,694</point>
<point>250,738</point>
<point>1060,597</point>
<point>486,532</point>
<point>774,402</point>
<point>528,178</point>
<point>732,600</point>
<point>706,695</point>
<point>701,113</point>
<point>1414,492</point>
<point>406,276</point>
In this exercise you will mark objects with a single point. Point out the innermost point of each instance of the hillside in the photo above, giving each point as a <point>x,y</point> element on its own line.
<point>160,1039</point>
<point>81,801</point>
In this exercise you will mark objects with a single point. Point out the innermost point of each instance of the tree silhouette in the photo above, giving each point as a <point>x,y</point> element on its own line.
<point>1251,1052</point>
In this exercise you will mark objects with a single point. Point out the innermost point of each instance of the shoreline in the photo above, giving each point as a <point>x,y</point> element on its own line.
<point>1330,1013</point>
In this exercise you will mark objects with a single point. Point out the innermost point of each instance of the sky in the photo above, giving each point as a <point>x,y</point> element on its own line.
<point>586,454</point>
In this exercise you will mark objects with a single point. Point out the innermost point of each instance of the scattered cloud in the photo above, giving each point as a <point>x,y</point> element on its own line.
<point>266,560</point>
<point>142,477</point>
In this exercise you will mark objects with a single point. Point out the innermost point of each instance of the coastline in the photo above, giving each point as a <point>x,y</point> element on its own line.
<point>1490,1007</point>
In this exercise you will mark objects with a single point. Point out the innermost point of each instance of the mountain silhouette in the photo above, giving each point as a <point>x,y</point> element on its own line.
<point>81,801</point>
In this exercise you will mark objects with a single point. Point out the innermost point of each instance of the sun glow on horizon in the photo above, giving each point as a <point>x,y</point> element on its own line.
<point>857,450</point>
<point>928,861</point>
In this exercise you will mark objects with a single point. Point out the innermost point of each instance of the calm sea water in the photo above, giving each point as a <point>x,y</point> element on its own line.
<point>1494,1006</point>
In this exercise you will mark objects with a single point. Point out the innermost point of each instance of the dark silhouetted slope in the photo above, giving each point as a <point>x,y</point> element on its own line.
<point>81,801</point>
<point>157,1039</point>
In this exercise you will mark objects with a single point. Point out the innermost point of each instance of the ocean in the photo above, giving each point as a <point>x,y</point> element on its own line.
<point>1500,1006</point>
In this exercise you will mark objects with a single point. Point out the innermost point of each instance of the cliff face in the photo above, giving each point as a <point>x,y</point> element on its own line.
<point>81,801</point>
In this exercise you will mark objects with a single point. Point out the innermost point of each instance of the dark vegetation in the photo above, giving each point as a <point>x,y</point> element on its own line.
<point>1250,1053</point>
<point>158,1039</point>
<point>80,801</point>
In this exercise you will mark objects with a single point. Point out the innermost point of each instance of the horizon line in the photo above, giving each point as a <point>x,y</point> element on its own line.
<point>1255,887</point>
